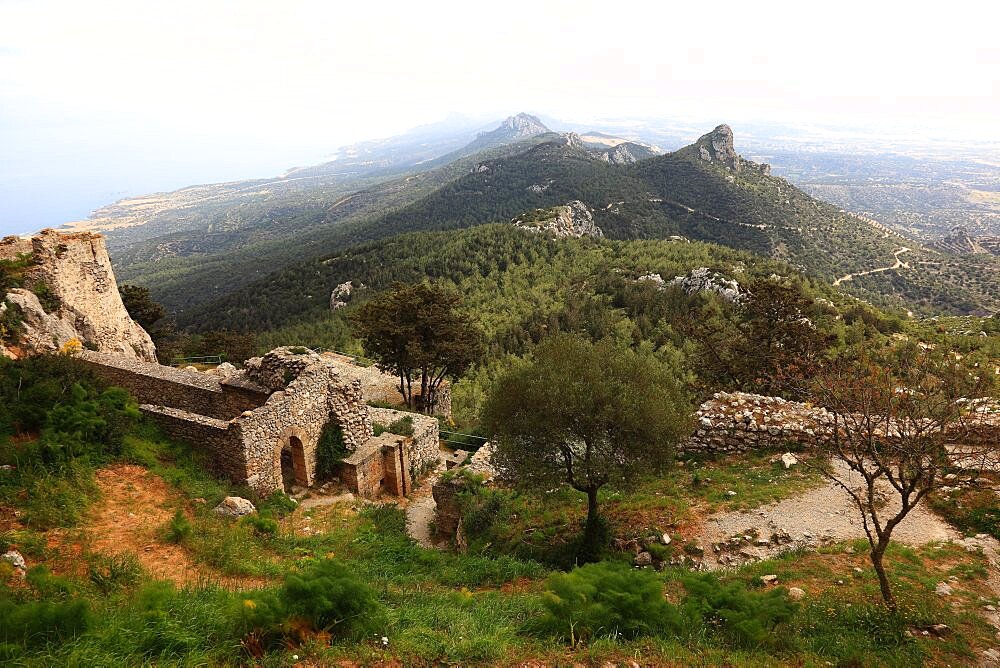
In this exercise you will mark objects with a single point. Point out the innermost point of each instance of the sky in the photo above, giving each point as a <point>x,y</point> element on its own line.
<point>99,100</point>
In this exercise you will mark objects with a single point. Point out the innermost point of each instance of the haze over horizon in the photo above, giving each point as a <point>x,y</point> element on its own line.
<point>99,102</point>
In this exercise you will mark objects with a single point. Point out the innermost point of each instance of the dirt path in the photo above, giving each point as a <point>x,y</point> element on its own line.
<point>420,510</point>
<point>824,514</point>
<point>898,264</point>
<point>134,506</point>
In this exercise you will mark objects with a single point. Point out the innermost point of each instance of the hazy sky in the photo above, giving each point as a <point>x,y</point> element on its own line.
<point>102,99</point>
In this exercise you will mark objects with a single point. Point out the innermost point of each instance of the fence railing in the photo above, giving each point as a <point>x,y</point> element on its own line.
<point>467,441</point>
<point>201,359</point>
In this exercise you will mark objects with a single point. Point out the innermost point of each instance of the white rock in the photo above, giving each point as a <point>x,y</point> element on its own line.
<point>789,460</point>
<point>14,558</point>
<point>768,579</point>
<point>796,594</point>
<point>943,589</point>
<point>235,506</point>
<point>665,539</point>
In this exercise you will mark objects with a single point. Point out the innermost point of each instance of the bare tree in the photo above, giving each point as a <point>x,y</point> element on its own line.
<point>905,426</point>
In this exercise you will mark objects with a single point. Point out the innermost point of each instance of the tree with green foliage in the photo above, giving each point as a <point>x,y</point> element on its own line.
<point>419,333</point>
<point>585,415</point>
<point>140,306</point>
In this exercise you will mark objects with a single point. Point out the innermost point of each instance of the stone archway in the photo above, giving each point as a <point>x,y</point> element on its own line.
<point>291,466</point>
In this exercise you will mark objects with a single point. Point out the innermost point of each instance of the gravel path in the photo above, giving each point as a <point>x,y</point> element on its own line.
<point>420,509</point>
<point>823,515</point>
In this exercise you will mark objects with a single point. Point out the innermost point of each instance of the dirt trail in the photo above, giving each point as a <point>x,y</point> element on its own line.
<point>824,514</point>
<point>898,264</point>
<point>134,506</point>
<point>420,510</point>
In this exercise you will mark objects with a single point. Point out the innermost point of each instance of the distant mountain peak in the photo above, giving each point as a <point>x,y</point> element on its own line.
<point>718,146</point>
<point>522,125</point>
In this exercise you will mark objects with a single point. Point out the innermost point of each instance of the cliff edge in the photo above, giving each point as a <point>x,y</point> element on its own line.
<point>58,287</point>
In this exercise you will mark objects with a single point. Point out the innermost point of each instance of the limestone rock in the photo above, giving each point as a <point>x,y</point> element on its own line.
<point>14,558</point>
<point>643,559</point>
<point>235,506</point>
<point>703,278</point>
<point>943,589</point>
<point>76,271</point>
<point>796,594</point>
<point>573,219</point>
<point>789,460</point>
<point>718,146</point>
<point>768,579</point>
<point>342,294</point>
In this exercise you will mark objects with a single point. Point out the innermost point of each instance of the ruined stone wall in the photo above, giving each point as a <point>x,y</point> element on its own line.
<point>302,410</point>
<point>423,449</point>
<point>211,436</point>
<point>12,247</point>
<point>160,385</point>
<point>77,270</point>
<point>739,422</point>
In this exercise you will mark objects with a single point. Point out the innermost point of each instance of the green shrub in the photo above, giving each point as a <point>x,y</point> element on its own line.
<point>278,505</point>
<point>743,618</point>
<point>326,596</point>
<point>330,450</point>
<point>261,525</point>
<point>179,527</point>
<point>607,600</point>
<point>401,427</point>
<point>37,622</point>
<point>47,585</point>
<point>113,573</point>
<point>46,297</point>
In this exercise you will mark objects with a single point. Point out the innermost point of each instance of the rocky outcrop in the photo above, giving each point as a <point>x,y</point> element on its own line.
<point>718,146</point>
<point>699,279</point>
<point>573,219</point>
<point>81,299</point>
<point>626,153</point>
<point>704,278</point>
<point>342,294</point>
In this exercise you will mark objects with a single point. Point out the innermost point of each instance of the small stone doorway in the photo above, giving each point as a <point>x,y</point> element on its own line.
<point>293,464</point>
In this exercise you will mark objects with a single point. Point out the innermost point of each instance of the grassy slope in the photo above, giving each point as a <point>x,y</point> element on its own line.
<point>469,608</point>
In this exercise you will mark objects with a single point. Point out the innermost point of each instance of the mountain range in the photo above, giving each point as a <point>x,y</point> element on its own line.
<point>197,246</point>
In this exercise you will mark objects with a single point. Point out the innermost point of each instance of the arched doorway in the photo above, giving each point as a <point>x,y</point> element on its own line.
<point>293,463</point>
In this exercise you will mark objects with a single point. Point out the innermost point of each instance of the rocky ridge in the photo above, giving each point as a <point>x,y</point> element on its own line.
<point>718,146</point>
<point>572,219</point>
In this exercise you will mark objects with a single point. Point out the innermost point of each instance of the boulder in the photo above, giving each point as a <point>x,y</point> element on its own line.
<point>235,506</point>
<point>796,594</point>
<point>643,559</point>
<point>14,558</point>
<point>768,579</point>
<point>789,460</point>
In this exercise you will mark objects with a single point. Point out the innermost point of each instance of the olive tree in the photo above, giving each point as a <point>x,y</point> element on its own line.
<point>585,415</point>
<point>899,426</point>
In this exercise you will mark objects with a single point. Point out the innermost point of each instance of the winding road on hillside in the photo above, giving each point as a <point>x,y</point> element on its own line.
<point>898,264</point>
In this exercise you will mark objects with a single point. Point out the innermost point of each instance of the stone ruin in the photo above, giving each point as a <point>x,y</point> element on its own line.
<point>75,271</point>
<point>261,426</point>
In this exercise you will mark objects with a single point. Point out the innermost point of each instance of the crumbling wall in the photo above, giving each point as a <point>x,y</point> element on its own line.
<point>423,448</point>
<point>150,383</point>
<point>734,422</point>
<point>317,396</point>
<point>213,437</point>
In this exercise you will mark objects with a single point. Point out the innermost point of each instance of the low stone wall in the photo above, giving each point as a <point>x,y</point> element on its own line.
<point>12,247</point>
<point>380,466</point>
<point>423,449</point>
<point>733,422</point>
<point>214,437</point>
<point>160,385</point>
<point>447,512</point>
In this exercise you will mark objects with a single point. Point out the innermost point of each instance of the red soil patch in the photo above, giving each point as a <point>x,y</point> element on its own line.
<point>134,506</point>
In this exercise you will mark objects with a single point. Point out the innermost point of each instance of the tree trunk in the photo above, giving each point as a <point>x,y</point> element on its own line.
<point>883,580</point>
<point>423,391</point>
<point>593,536</point>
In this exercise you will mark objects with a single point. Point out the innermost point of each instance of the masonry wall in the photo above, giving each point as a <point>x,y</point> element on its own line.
<point>159,385</point>
<point>301,410</point>
<point>423,450</point>
<point>213,437</point>
<point>733,422</point>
